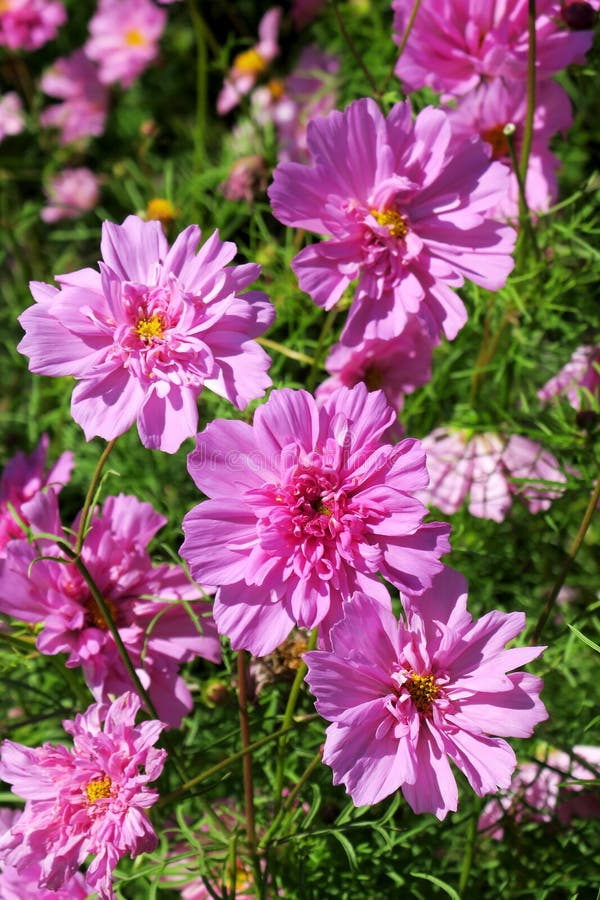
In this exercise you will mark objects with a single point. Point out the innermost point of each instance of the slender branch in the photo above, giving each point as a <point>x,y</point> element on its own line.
<point>403,42</point>
<point>524,211</point>
<point>531,60</point>
<point>285,809</point>
<point>467,861</point>
<point>355,51</point>
<point>247,763</point>
<point>90,496</point>
<point>200,33</point>
<point>325,330</point>
<point>281,348</point>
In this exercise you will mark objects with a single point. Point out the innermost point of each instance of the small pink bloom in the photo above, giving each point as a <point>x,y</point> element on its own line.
<point>124,38</point>
<point>406,213</point>
<point>23,478</point>
<point>407,697</point>
<point>71,193</point>
<point>486,468</point>
<point>88,800</point>
<point>247,178</point>
<point>11,115</point>
<point>467,42</point>
<point>581,373</point>
<point>28,24</point>
<point>75,80</point>
<point>149,604</point>
<point>250,64</point>
<point>306,506</point>
<point>145,335</point>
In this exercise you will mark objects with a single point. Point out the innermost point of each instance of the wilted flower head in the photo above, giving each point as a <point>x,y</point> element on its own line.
<point>148,604</point>
<point>406,212</point>
<point>486,468</point>
<point>406,698</point>
<point>11,115</point>
<point>306,506</point>
<point>88,800</point>
<point>124,38</point>
<point>581,373</point>
<point>249,65</point>
<point>147,333</point>
<point>83,111</point>
<point>71,193</point>
<point>28,24</point>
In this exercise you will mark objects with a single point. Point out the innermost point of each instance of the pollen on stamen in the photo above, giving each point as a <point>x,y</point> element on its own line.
<point>250,62</point>
<point>392,220</point>
<point>149,328</point>
<point>423,690</point>
<point>98,789</point>
<point>134,38</point>
<point>496,138</point>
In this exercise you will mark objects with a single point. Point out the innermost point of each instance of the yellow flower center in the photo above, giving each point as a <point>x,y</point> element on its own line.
<point>135,38</point>
<point>250,62</point>
<point>423,691</point>
<point>98,789</point>
<point>276,88</point>
<point>150,328</point>
<point>392,220</point>
<point>497,140</point>
<point>161,210</point>
<point>95,619</point>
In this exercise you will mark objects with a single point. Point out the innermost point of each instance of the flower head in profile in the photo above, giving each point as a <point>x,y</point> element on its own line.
<point>12,119</point>
<point>306,506</point>
<point>147,333</point>
<point>406,212</point>
<point>124,36</point>
<point>24,477</point>
<point>90,799</point>
<point>148,604</point>
<point>28,24</point>
<point>250,64</point>
<point>74,79</point>
<point>579,376</point>
<point>406,698</point>
<point>71,193</point>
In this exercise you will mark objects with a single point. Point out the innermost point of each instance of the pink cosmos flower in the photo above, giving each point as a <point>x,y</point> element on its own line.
<point>91,799</point>
<point>145,335</point>
<point>15,884</point>
<point>406,697</point>
<point>541,791</point>
<point>467,42</point>
<point>306,506</point>
<point>582,372</point>
<point>28,24</point>
<point>406,212</point>
<point>11,115</point>
<point>71,193</point>
<point>483,467</point>
<point>83,112</point>
<point>250,64</point>
<point>23,477</point>
<point>485,112</point>
<point>146,602</point>
<point>124,38</point>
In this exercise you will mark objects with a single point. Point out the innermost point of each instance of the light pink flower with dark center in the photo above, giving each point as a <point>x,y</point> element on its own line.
<point>28,24</point>
<point>83,111</point>
<point>580,375</point>
<point>88,800</point>
<point>124,36</point>
<point>406,212</point>
<point>148,604</point>
<point>147,333</point>
<point>306,506</point>
<point>71,193</point>
<point>250,64</point>
<point>406,698</point>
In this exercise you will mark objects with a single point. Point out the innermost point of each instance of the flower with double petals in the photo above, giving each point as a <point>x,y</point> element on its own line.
<point>307,505</point>
<point>91,799</point>
<point>28,24</point>
<point>406,211</point>
<point>406,698</point>
<point>148,332</point>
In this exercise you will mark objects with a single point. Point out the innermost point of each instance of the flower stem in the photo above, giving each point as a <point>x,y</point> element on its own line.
<point>200,32</point>
<point>467,862</point>
<point>91,496</point>
<point>286,351</point>
<point>285,809</point>
<point>403,41</point>
<point>325,330</point>
<point>247,763</point>
<point>355,51</point>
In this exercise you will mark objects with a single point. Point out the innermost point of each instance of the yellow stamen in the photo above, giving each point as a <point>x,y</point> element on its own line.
<point>423,691</point>
<point>276,88</point>
<point>392,220</point>
<point>98,789</point>
<point>135,38</point>
<point>497,140</point>
<point>161,210</point>
<point>250,62</point>
<point>150,328</point>
<point>95,619</point>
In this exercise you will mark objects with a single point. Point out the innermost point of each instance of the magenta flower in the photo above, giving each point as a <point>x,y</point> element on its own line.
<point>28,24</point>
<point>581,374</point>
<point>124,38</point>
<point>149,604</point>
<point>489,470</point>
<point>250,64</point>
<point>145,335</point>
<point>71,193</point>
<point>83,111</point>
<point>23,478</point>
<point>406,213</point>
<point>91,799</point>
<point>404,698</point>
<point>468,42</point>
<point>12,119</point>
<point>306,506</point>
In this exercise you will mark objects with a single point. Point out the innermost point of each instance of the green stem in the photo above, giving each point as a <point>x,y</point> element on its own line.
<point>531,58</point>
<point>285,809</point>
<point>524,211</point>
<point>200,32</point>
<point>90,496</point>
<point>325,330</point>
<point>403,41</point>
<point>467,862</point>
<point>285,351</point>
<point>247,762</point>
<point>355,51</point>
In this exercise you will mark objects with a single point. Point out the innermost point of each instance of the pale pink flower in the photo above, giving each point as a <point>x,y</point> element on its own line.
<point>542,791</point>
<point>12,119</point>
<point>247,177</point>
<point>580,374</point>
<point>88,800</point>
<point>306,506</point>
<point>149,604</point>
<point>71,193</point>
<point>24,477</point>
<point>252,63</point>
<point>406,213</point>
<point>124,38</point>
<point>485,112</point>
<point>28,24</point>
<point>466,42</point>
<point>490,470</point>
<point>407,697</point>
<point>145,335</point>
<point>83,112</point>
